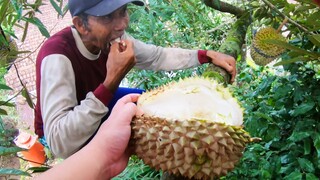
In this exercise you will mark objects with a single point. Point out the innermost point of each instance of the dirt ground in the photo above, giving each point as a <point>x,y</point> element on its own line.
<point>10,161</point>
<point>13,161</point>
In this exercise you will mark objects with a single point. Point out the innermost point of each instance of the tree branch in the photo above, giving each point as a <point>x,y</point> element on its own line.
<point>286,17</point>
<point>232,45</point>
<point>224,7</point>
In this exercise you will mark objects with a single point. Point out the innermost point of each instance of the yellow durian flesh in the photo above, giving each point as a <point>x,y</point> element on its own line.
<point>195,98</point>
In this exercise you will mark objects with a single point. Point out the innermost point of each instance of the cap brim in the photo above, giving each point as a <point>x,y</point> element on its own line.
<point>107,6</point>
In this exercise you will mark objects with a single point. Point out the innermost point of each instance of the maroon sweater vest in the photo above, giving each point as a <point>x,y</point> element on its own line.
<point>88,74</point>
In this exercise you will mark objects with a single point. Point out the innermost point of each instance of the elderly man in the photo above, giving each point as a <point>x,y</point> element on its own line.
<point>79,70</point>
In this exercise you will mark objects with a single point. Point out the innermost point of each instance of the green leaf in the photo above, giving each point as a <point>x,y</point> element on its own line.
<point>18,8</point>
<point>3,112</point>
<point>265,116</point>
<point>315,39</point>
<point>65,9</point>
<point>5,171</point>
<point>38,23</point>
<point>317,97</point>
<point>306,165</point>
<point>298,94</point>
<point>316,143</point>
<point>38,169</point>
<point>56,7</point>
<point>298,136</point>
<point>4,6</point>
<point>282,91</point>
<point>303,108</point>
<point>265,174</point>
<point>310,176</point>
<point>25,94</point>
<point>9,150</point>
<point>272,133</point>
<point>287,169</point>
<point>296,175</point>
<point>307,146</point>
<point>5,87</point>
<point>293,60</point>
<point>25,31</point>
<point>291,47</point>
<point>6,103</point>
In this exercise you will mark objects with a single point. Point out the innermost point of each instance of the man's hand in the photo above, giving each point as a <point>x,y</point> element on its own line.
<point>224,61</point>
<point>120,62</point>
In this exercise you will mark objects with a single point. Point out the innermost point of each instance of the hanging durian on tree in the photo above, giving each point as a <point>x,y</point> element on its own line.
<point>191,128</point>
<point>8,49</point>
<point>262,53</point>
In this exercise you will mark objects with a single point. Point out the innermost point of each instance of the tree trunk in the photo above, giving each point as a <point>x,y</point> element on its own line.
<point>231,46</point>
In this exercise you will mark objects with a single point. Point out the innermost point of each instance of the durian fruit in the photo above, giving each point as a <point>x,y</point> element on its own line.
<point>262,52</point>
<point>8,50</point>
<point>191,128</point>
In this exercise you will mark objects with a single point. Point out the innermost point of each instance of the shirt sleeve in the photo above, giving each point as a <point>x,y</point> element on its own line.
<point>156,58</point>
<point>67,125</point>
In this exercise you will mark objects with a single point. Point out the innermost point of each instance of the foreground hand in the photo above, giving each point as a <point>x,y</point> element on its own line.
<point>114,134</point>
<point>224,61</point>
<point>106,155</point>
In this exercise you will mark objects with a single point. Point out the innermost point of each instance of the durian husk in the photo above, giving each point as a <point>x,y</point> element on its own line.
<point>8,51</point>
<point>263,53</point>
<point>260,59</point>
<point>194,148</point>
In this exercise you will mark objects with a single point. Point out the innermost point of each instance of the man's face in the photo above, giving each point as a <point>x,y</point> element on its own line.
<point>104,29</point>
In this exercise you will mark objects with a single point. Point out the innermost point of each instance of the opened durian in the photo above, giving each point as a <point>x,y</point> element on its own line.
<point>191,128</point>
<point>262,52</point>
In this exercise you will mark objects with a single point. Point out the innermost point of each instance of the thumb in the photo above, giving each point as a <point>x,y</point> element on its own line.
<point>114,47</point>
<point>124,110</point>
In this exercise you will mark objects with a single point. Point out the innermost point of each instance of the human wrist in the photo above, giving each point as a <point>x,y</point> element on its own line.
<point>202,57</point>
<point>112,84</point>
<point>103,94</point>
<point>101,162</point>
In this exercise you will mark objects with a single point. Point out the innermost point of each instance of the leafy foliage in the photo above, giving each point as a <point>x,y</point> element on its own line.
<point>16,14</point>
<point>283,111</point>
<point>296,21</point>
<point>137,170</point>
<point>159,23</point>
<point>7,147</point>
<point>281,103</point>
<point>19,14</point>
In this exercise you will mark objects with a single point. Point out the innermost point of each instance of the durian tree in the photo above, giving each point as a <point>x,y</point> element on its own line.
<point>276,104</point>
<point>281,100</point>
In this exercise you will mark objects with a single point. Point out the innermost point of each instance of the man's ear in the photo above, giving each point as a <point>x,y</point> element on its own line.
<point>79,25</point>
